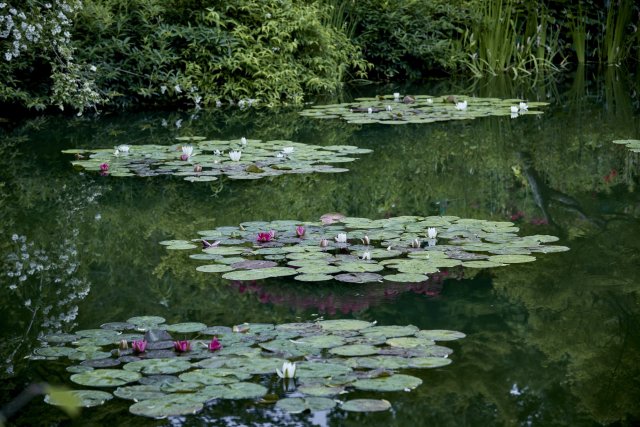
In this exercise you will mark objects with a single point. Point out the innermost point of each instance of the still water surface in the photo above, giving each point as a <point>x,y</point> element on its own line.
<point>553,342</point>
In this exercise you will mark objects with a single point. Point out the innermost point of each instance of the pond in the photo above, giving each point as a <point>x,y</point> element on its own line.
<point>550,342</point>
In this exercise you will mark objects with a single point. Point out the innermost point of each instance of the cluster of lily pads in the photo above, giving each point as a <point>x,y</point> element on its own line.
<point>198,159</point>
<point>394,109</point>
<point>297,366</point>
<point>361,250</point>
<point>632,144</point>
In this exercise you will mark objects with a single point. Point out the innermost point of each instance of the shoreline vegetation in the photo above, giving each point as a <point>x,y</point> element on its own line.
<point>87,55</point>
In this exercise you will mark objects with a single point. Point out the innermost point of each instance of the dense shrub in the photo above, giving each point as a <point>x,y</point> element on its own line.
<point>409,39</point>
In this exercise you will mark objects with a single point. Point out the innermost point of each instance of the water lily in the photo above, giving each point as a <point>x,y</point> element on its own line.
<point>300,231</point>
<point>514,115</point>
<point>197,168</point>
<point>366,240</point>
<point>116,152</point>
<point>104,167</point>
<point>206,244</point>
<point>139,346</point>
<point>287,150</point>
<point>124,148</point>
<point>461,105</point>
<point>215,345</point>
<point>187,151</point>
<point>370,110</point>
<point>341,238</point>
<point>416,243</point>
<point>124,344</point>
<point>235,155</point>
<point>243,141</point>
<point>182,346</point>
<point>396,96</point>
<point>366,256</point>
<point>514,109</point>
<point>272,233</point>
<point>523,106</point>
<point>429,101</point>
<point>389,108</point>
<point>324,243</point>
<point>288,370</point>
<point>432,233</point>
<point>264,236</point>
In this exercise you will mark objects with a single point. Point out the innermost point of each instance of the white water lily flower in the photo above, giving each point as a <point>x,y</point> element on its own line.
<point>287,150</point>
<point>243,141</point>
<point>116,152</point>
<point>416,243</point>
<point>217,152</point>
<point>288,370</point>
<point>187,150</point>
<point>461,105</point>
<point>366,240</point>
<point>370,110</point>
<point>389,108</point>
<point>396,96</point>
<point>514,109</point>
<point>429,101</point>
<point>366,256</point>
<point>514,115</point>
<point>432,233</point>
<point>235,155</point>
<point>124,148</point>
<point>341,238</point>
<point>523,106</point>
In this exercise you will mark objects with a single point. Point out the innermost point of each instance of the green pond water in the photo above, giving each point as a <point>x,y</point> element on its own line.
<point>550,342</point>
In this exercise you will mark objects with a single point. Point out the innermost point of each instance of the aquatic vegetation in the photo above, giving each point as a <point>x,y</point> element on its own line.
<point>419,109</point>
<point>252,160</point>
<point>332,357</point>
<point>632,144</point>
<point>394,249</point>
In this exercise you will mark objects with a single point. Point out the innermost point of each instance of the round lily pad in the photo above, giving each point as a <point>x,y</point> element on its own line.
<point>440,335</point>
<point>428,362</point>
<point>511,259</point>
<point>354,350</point>
<point>344,325</point>
<point>61,338</point>
<point>185,328</point>
<point>409,342</point>
<point>105,378</point>
<point>319,390</point>
<point>406,277</point>
<point>81,398</point>
<point>320,370</point>
<point>158,366</point>
<point>139,392</point>
<point>214,376</point>
<point>56,351</point>
<point>168,406</point>
<point>391,331</point>
<point>359,277</point>
<point>397,382</point>
<point>322,341</point>
<point>214,268</point>
<point>366,405</point>
<point>238,390</point>
<point>313,277</point>
<point>297,405</point>
<point>146,321</point>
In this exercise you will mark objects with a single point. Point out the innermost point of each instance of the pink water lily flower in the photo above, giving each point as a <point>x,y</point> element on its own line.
<point>264,237</point>
<point>182,346</point>
<point>299,231</point>
<point>215,345</point>
<point>104,167</point>
<point>139,346</point>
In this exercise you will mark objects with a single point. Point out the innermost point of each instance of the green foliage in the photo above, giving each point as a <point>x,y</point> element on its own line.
<point>409,39</point>
<point>203,52</point>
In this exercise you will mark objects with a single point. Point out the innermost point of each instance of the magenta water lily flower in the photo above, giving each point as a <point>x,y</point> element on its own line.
<point>265,236</point>
<point>215,345</point>
<point>182,346</point>
<point>104,167</point>
<point>139,346</point>
<point>299,231</point>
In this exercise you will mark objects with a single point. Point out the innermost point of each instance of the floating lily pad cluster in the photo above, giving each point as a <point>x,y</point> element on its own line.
<point>632,144</point>
<point>421,109</point>
<point>332,358</point>
<point>208,159</point>
<point>395,249</point>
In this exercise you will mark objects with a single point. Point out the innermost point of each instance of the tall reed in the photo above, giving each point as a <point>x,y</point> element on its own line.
<point>618,19</point>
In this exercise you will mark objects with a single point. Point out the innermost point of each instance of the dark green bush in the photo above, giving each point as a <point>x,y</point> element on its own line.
<point>409,39</point>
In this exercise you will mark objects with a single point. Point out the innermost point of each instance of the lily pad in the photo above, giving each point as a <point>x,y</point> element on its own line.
<point>105,378</point>
<point>354,350</point>
<point>158,366</point>
<point>344,325</point>
<point>185,328</point>
<point>297,405</point>
<point>181,404</point>
<point>238,390</point>
<point>80,398</point>
<point>398,382</point>
<point>139,392</point>
<point>440,335</point>
<point>366,405</point>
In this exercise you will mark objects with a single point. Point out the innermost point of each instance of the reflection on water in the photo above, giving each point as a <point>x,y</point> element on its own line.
<point>549,343</point>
